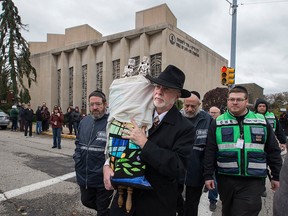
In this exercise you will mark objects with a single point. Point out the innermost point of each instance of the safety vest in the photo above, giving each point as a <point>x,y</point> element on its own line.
<point>236,157</point>
<point>271,119</point>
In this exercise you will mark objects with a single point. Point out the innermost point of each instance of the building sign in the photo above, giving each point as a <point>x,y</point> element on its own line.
<point>182,44</point>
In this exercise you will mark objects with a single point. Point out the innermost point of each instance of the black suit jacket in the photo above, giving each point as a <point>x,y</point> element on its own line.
<point>165,155</point>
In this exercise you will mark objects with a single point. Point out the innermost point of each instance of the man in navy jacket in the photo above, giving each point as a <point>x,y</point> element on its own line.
<point>89,156</point>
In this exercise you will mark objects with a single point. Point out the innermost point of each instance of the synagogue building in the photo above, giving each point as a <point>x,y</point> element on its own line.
<point>69,66</point>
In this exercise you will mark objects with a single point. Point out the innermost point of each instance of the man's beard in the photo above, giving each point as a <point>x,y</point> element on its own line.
<point>97,114</point>
<point>190,115</point>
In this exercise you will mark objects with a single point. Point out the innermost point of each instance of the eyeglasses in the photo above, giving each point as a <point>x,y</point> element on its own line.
<point>96,104</point>
<point>214,113</point>
<point>238,100</point>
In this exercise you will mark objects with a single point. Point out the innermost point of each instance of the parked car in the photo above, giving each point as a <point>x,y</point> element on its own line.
<point>4,119</point>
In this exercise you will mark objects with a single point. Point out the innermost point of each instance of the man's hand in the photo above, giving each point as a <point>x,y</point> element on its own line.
<point>108,173</point>
<point>283,147</point>
<point>275,185</point>
<point>135,134</point>
<point>210,184</point>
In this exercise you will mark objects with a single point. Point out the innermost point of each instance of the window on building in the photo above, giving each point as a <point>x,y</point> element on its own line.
<point>116,69</point>
<point>59,87</point>
<point>71,85</point>
<point>99,76</point>
<point>155,66</point>
<point>84,87</point>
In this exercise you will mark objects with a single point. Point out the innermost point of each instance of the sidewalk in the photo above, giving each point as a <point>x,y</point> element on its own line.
<point>65,131</point>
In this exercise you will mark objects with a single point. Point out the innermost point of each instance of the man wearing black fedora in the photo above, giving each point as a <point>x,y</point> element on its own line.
<point>164,151</point>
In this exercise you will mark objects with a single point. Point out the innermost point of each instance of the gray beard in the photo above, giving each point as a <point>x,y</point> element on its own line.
<point>190,116</point>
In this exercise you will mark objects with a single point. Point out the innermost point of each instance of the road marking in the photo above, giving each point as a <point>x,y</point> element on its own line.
<point>36,186</point>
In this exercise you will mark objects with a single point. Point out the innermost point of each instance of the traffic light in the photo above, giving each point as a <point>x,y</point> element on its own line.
<point>227,76</point>
<point>224,75</point>
<point>230,76</point>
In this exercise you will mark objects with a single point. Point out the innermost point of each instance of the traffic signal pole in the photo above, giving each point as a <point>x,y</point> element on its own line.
<point>233,37</point>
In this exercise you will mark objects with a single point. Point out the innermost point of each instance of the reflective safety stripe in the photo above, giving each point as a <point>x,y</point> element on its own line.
<point>227,165</point>
<point>227,146</point>
<point>93,149</point>
<point>226,122</point>
<point>246,145</point>
<point>198,148</point>
<point>257,165</point>
<point>102,139</point>
<point>254,146</point>
<point>254,121</point>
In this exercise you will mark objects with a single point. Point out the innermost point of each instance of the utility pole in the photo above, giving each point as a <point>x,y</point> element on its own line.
<point>233,37</point>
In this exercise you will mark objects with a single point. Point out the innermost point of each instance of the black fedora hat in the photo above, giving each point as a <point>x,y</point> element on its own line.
<point>171,77</point>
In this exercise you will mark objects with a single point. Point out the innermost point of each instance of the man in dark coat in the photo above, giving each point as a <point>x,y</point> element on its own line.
<point>280,199</point>
<point>165,151</point>
<point>28,116</point>
<point>193,179</point>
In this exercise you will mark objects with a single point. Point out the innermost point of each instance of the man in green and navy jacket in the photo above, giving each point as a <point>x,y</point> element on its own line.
<point>261,106</point>
<point>240,146</point>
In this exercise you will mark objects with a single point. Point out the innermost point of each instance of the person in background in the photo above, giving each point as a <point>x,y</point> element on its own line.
<point>283,119</point>
<point>14,117</point>
<point>76,118</point>
<point>262,106</point>
<point>280,199</point>
<point>68,119</point>
<point>28,116</point>
<point>214,112</point>
<point>45,117</point>
<point>213,194</point>
<point>193,178</point>
<point>89,155</point>
<point>239,147</point>
<point>61,113</point>
<point>21,118</point>
<point>38,120</point>
<point>165,151</point>
<point>56,121</point>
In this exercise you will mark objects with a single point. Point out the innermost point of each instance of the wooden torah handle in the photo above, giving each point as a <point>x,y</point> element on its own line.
<point>120,198</point>
<point>129,199</point>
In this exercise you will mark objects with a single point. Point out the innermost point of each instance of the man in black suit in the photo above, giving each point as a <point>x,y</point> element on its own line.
<point>165,151</point>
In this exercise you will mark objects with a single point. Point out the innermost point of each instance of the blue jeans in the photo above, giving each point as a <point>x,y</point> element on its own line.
<point>56,137</point>
<point>213,194</point>
<point>75,126</point>
<point>39,127</point>
<point>14,123</point>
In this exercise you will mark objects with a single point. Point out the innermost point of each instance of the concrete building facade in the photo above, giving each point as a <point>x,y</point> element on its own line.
<point>69,66</point>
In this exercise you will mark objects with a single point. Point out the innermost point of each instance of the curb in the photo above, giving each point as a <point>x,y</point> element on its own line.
<point>62,135</point>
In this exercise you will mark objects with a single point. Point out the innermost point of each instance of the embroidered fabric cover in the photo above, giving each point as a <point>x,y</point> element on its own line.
<point>129,97</point>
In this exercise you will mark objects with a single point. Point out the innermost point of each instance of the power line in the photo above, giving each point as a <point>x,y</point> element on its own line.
<point>265,2</point>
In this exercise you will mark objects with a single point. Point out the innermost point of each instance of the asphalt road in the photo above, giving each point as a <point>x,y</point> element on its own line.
<point>37,180</point>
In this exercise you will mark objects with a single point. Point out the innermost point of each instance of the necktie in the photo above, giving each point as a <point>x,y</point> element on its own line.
<point>156,121</point>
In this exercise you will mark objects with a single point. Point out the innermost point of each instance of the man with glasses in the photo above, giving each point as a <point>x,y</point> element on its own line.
<point>240,145</point>
<point>89,155</point>
<point>164,151</point>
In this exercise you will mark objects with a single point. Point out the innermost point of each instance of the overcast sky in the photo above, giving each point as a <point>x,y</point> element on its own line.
<point>262,29</point>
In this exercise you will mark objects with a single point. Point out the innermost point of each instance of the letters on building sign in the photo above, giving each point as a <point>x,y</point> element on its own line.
<point>182,44</point>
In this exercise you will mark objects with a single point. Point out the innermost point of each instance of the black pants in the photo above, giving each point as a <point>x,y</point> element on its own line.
<point>192,199</point>
<point>28,125</point>
<point>240,196</point>
<point>96,198</point>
